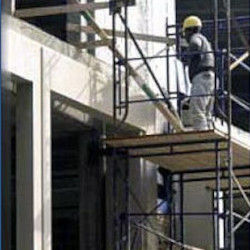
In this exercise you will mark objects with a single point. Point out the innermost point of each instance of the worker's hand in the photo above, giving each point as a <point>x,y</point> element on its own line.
<point>184,59</point>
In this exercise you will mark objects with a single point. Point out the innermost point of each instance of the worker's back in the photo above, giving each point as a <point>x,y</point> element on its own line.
<point>204,58</point>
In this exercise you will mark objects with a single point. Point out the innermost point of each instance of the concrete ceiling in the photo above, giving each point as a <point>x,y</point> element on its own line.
<point>205,8</point>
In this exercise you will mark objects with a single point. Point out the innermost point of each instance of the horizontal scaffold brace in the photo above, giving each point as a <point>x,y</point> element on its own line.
<point>138,36</point>
<point>165,107</point>
<point>94,44</point>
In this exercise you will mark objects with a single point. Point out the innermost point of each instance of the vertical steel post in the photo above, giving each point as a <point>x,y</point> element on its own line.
<point>223,85</point>
<point>174,208</point>
<point>178,48</point>
<point>217,158</point>
<point>126,60</point>
<point>167,70</point>
<point>104,167</point>
<point>127,199</point>
<point>167,60</point>
<point>214,224</point>
<point>181,209</point>
<point>114,63</point>
<point>229,122</point>
<point>216,47</point>
<point>115,202</point>
<point>127,202</point>
<point>120,88</point>
<point>171,210</point>
<point>225,219</point>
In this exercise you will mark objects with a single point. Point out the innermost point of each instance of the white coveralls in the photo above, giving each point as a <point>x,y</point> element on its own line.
<point>201,107</point>
<point>201,72</point>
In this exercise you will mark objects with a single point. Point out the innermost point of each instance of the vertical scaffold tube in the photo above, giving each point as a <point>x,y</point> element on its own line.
<point>127,220</point>
<point>229,121</point>
<point>165,107</point>
<point>114,63</point>
<point>216,49</point>
<point>217,159</point>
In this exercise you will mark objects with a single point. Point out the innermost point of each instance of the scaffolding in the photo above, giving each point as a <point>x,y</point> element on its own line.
<point>212,144</point>
<point>178,142</point>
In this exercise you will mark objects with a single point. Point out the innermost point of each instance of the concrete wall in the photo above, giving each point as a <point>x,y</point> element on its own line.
<point>198,230</point>
<point>8,6</point>
<point>146,17</point>
<point>85,79</point>
<point>6,163</point>
<point>48,65</point>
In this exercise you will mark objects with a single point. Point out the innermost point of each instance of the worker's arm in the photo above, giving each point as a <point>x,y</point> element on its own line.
<point>194,49</point>
<point>194,54</point>
<point>191,51</point>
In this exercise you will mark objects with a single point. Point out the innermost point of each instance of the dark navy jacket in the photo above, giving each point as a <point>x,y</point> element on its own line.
<point>201,56</point>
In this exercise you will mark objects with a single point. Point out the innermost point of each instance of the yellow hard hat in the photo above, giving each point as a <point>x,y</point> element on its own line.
<point>192,21</point>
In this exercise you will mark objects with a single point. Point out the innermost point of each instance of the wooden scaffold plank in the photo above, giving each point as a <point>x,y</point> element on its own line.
<point>183,151</point>
<point>239,60</point>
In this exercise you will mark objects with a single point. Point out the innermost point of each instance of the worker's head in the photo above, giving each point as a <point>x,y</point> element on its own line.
<point>191,25</point>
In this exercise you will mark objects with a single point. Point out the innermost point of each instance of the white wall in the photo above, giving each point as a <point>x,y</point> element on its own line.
<point>198,230</point>
<point>45,61</point>
<point>72,74</point>
<point>52,65</point>
<point>147,17</point>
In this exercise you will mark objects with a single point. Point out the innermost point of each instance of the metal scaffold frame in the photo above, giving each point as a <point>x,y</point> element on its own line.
<point>226,96</point>
<point>123,221</point>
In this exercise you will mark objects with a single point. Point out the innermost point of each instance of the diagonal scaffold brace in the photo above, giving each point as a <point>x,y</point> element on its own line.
<point>165,238</point>
<point>165,107</point>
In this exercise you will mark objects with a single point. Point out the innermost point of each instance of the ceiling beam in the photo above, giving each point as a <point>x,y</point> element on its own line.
<point>60,9</point>
<point>187,11</point>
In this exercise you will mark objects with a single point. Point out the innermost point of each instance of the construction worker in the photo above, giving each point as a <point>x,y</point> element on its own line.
<point>201,65</point>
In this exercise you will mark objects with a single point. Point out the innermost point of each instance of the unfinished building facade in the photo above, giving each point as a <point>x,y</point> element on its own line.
<point>73,178</point>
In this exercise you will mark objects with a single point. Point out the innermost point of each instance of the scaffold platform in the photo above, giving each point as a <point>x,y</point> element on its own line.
<point>183,151</point>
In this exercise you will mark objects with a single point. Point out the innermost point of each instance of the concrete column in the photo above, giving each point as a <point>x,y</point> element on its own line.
<point>109,204</point>
<point>24,169</point>
<point>149,198</point>
<point>33,139</point>
<point>198,230</point>
<point>177,207</point>
<point>6,120</point>
<point>8,6</point>
<point>91,209</point>
<point>46,136</point>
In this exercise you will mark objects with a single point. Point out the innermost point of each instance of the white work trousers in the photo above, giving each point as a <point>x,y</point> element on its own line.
<point>201,107</point>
